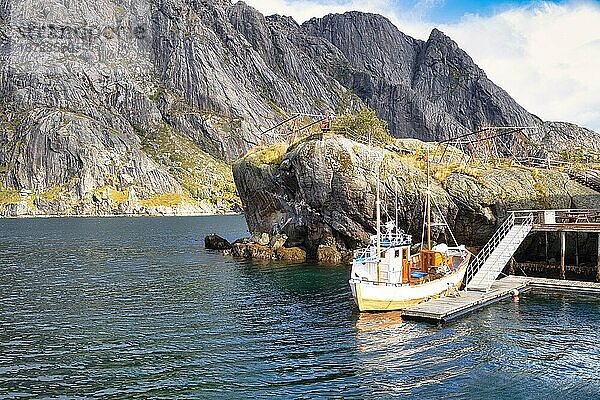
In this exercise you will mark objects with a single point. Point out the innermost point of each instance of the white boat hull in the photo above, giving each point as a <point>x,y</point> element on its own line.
<point>371,296</point>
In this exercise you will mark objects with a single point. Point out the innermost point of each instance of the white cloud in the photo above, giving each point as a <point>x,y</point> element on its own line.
<point>546,55</point>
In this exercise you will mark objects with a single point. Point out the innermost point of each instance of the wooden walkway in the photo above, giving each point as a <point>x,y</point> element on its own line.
<point>557,284</point>
<point>446,309</point>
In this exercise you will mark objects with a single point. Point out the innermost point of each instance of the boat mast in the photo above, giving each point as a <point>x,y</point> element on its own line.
<point>378,209</point>
<point>428,205</point>
<point>396,214</point>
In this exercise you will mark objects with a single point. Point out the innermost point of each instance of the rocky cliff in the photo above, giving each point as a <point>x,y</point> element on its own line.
<point>323,191</point>
<point>138,107</point>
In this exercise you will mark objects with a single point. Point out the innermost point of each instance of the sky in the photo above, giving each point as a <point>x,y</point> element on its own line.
<point>545,54</point>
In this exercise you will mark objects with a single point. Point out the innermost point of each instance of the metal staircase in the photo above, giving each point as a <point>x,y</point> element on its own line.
<point>490,261</point>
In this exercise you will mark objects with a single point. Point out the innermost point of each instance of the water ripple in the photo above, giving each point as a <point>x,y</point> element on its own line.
<point>136,308</point>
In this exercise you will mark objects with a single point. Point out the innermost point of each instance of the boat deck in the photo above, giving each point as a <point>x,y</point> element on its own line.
<point>446,309</point>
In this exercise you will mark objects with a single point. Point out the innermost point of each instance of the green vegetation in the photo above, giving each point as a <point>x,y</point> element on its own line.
<point>415,155</point>
<point>9,196</point>
<point>164,200</point>
<point>204,177</point>
<point>51,194</point>
<point>116,197</point>
<point>577,155</point>
<point>441,172</point>
<point>364,123</point>
<point>540,187</point>
<point>267,154</point>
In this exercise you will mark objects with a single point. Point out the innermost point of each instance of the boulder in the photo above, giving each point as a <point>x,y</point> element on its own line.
<point>327,189</point>
<point>216,242</point>
<point>277,241</point>
<point>328,255</point>
<point>291,254</point>
<point>322,195</point>
<point>264,239</point>
<point>253,251</point>
<point>261,238</point>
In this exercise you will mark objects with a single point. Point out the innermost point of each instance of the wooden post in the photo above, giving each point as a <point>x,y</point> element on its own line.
<point>546,247</point>
<point>511,266</point>
<point>598,264</point>
<point>577,249</point>
<point>562,254</point>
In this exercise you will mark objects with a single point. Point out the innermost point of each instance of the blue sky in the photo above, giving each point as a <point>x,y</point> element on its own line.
<point>451,11</point>
<point>545,54</point>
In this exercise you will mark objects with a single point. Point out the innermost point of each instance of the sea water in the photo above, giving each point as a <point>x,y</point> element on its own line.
<point>137,308</point>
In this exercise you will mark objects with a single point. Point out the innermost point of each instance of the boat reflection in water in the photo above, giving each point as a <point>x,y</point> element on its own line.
<point>374,322</point>
<point>408,353</point>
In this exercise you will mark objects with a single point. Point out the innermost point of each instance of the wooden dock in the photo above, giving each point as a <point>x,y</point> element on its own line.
<point>571,286</point>
<point>446,309</point>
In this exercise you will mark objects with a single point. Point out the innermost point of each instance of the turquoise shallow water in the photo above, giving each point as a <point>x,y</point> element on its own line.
<point>136,308</point>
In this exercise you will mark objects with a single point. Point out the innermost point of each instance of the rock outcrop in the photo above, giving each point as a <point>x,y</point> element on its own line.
<point>266,247</point>
<point>110,107</point>
<point>216,242</point>
<point>321,194</point>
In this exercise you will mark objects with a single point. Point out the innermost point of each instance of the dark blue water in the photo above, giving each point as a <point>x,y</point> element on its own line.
<point>136,308</point>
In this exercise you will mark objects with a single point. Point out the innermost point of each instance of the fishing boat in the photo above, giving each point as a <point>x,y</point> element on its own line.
<point>386,276</point>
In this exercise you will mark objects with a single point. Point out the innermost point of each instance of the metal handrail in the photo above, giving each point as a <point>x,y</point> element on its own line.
<point>386,242</point>
<point>486,278</point>
<point>539,215</point>
<point>493,243</point>
<point>487,249</point>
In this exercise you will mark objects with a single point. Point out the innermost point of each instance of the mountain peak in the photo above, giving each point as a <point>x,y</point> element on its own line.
<point>215,75</point>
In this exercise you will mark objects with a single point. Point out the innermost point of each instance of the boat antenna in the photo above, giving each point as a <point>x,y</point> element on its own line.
<point>428,205</point>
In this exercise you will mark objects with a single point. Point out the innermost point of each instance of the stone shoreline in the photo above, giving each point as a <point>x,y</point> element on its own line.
<point>134,215</point>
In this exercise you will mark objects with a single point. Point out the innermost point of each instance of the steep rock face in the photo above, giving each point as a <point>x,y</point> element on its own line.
<point>431,90</point>
<point>241,69</point>
<point>131,82</point>
<point>320,190</point>
<point>370,43</point>
<point>80,109</point>
<point>150,99</point>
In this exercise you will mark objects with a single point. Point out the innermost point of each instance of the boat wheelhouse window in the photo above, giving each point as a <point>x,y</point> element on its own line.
<point>397,253</point>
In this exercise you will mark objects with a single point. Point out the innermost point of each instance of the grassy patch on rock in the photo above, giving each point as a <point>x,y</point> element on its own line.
<point>203,177</point>
<point>163,200</point>
<point>363,125</point>
<point>50,194</point>
<point>266,154</point>
<point>441,172</point>
<point>8,196</point>
<point>115,196</point>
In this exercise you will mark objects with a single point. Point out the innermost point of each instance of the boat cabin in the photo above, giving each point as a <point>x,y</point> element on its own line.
<point>390,261</point>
